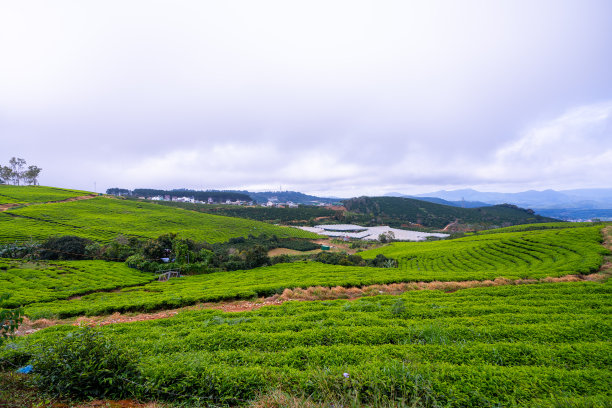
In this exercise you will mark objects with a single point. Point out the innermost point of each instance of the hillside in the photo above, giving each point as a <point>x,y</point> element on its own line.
<point>297,215</point>
<point>520,325</point>
<point>102,219</point>
<point>36,194</point>
<point>526,254</point>
<point>396,211</point>
<point>437,200</point>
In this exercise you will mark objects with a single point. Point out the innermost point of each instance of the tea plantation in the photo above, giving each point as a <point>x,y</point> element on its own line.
<point>530,254</point>
<point>528,345</point>
<point>36,194</point>
<point>43,282</point>
<point>102,219</point>
<point>549,252</point>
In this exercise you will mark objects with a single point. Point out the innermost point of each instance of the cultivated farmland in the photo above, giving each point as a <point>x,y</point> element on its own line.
<point>527,343</point>
<point>102,219</point>
<point>36,194</point>
<point>553,253</point>
<point>43,282</point>
<point>500,346</point>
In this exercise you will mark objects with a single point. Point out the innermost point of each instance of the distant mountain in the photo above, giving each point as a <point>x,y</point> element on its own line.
<point>547,199</point>
<point>437,200</point>
<point>398,211</point>
<point>576,214</point>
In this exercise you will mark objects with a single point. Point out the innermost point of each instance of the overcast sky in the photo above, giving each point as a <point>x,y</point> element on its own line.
<point>327,97</point>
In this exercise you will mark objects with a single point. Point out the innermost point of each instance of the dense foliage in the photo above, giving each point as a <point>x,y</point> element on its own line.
<point>84,363</point>
<point>527,345</point>
<point>102,219</point>
<point>298,215</point>
<point>216,196</point>
<point>396,211</point>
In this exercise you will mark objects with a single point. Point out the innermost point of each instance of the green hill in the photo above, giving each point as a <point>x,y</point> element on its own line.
<point>36,194</point>
<point>102,219</point>
<point>516,255</point>
<point>395,211</point>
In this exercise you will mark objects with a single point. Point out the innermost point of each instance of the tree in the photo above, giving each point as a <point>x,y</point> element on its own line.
<point>6,174</point>
<point>31,175</point>
<point>385,237</point>
<point>17,164</point>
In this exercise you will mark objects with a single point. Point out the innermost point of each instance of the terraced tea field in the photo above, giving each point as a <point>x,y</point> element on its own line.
<point>554,253</point>
<point>43,282</point>
<point>36,194</point>
<point>102,219</point>
<point>529,345</point>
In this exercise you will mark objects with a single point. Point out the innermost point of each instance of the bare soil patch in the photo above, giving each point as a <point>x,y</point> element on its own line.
<point>287,251</point>
<point>4,207</point>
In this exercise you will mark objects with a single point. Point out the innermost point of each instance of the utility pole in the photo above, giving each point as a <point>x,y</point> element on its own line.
<point>94,187</point>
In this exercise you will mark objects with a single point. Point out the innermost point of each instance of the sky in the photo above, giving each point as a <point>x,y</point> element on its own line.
<point>335,98</point>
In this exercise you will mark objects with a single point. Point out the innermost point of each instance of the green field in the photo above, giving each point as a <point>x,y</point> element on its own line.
<point>36,194</point>
<point>530,254</point>
<point>44,282</point>
<point>552,252</point>
<point>528,345</point>
<point>102,219</point>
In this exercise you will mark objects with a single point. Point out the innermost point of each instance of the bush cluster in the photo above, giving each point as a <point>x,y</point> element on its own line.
<point>84,364</point>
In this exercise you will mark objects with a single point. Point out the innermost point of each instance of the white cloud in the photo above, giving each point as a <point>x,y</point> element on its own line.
<point>574,149</point>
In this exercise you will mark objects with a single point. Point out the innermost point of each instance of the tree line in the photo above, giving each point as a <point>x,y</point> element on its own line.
<point>17,173</point>
<point>216,196</point>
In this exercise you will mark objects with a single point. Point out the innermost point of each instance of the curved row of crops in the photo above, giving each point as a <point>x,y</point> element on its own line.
<point>43,282</point>
<point>553,252</point>
<point>532,254</point>
<point>500,346</point>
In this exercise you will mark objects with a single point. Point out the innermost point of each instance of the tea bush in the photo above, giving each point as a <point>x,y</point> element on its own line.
<point>85,363</point>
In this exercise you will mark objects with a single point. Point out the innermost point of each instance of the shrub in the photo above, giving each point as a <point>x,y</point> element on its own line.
<point>84,364</point>
<point>67,247</point>
<point>9,319</point>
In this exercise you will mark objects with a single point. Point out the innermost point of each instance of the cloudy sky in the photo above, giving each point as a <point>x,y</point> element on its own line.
<point>328,97</point>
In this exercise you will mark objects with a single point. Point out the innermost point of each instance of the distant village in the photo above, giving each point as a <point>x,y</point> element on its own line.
<point>219,197</point>
<point>272,202</point>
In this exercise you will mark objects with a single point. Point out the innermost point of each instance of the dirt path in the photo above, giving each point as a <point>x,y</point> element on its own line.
<point>309,294</point>
<point>4,207</point>
<point>449,226</point>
